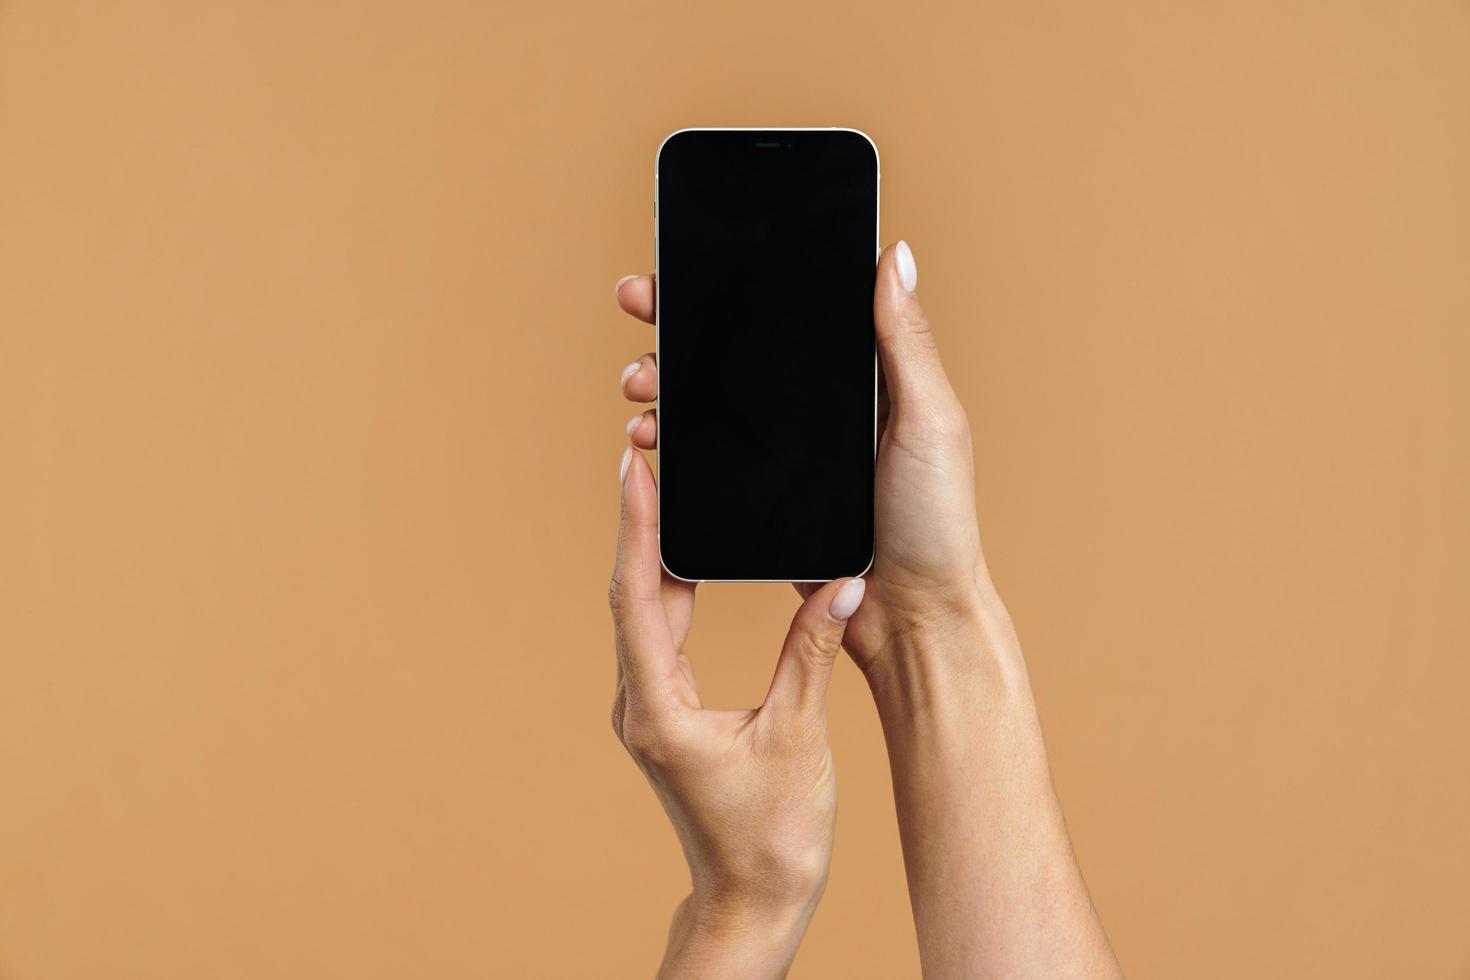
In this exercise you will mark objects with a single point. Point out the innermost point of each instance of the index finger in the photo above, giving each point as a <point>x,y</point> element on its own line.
<point>646,651</point>
<point>636,296</point>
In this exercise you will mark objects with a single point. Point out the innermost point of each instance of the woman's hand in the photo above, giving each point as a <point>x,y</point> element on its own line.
<point>928,575</point>
<point>928,578</point>
<point>752,794</point>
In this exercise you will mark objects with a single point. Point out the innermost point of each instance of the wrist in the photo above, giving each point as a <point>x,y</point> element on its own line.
<point>734,936</point>
<point>963,650</point>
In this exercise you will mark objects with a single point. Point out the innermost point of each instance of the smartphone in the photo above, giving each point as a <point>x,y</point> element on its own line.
<point>765,253</point>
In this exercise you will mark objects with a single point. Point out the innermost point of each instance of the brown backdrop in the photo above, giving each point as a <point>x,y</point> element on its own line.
<point>310,424</point>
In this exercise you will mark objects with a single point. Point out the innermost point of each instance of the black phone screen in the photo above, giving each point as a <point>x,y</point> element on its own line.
<point>766,253</point>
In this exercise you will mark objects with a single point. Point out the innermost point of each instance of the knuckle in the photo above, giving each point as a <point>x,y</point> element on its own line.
<point>820,646</point>
<point>649,739</point>
<point>617,593</point>
<point>943,427</point>
<point>624,591</point>
<point>915,323</point>
<point>619,711</point>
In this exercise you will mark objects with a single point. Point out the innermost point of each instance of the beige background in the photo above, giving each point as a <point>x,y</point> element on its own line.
<point>309,426</point>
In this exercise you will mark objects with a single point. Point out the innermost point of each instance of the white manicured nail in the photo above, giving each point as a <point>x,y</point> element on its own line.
<point>629,371</point>
<point>618,287</point>
<point>847,600</point>
<point>623,466</point>
<point>633,423</point>
<point>908,273</point>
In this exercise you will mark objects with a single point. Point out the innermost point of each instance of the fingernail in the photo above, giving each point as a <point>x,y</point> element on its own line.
<point>908,273</point>
<point>618,287</point>
<point>629,371</point>
<point>633,423</point>
<point>847,600</point>
<point>623,472</point>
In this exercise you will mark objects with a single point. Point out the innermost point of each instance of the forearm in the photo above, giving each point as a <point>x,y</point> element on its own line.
<point>731,940</point>
<point>995,888</point>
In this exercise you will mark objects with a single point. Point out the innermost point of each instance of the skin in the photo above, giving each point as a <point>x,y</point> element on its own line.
<point>993,882</point>
<point>752,794</point>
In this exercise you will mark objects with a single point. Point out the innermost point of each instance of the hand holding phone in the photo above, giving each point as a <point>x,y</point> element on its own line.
<point>752,794</point>
<point>928,572</point>
<point>994,884</point>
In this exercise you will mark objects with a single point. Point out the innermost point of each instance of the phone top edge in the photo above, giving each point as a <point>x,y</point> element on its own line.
<point>877,157</point>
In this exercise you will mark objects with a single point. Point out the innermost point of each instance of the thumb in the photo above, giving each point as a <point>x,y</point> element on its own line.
<point>917,384</point>
<point>812,645</point>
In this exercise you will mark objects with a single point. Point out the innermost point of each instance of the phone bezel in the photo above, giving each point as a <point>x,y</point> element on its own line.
<point>658,307</point>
